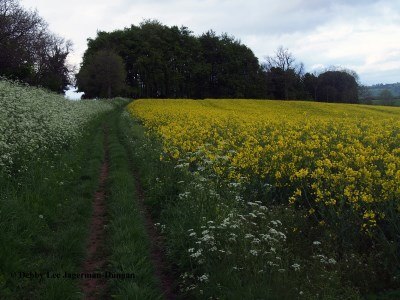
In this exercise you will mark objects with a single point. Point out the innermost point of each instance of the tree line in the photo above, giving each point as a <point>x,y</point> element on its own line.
<point>170,62</point>
<point>153,60</point>
<point>29,52</point>
<point>285,79</point>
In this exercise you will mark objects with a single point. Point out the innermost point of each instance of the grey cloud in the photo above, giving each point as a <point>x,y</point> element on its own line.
<point>263,25</point>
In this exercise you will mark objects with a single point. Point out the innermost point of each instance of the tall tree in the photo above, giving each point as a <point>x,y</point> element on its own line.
<point>310,83</point>
<point>29,51</point>
<point>283,75</point>
<point>337,86</point>
<point>102,76</point>
<point>162,61</point>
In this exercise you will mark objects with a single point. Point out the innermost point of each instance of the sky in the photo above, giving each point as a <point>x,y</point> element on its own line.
<point>362,35</point>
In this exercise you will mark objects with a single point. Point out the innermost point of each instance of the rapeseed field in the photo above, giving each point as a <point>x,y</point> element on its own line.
<point>298,194</point>
<point>324,155</point>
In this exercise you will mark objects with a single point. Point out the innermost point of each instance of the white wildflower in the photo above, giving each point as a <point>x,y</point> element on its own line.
<point>238,198</point>
<point>203,278</point>
<point>254,252</point>
<point>332,261</point>
<point>197,253</point>
<point>296,266</point>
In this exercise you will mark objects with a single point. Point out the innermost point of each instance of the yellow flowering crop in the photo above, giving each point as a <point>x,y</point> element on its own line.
<point>330,155</point>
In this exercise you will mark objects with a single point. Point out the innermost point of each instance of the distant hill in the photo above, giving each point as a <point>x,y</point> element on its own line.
<point>376,89</point>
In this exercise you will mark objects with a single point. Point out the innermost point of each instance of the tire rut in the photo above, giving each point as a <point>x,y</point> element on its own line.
<point>157,250</point>
<point>95,262</point>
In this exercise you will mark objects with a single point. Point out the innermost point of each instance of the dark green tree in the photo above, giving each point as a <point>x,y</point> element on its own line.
<point>102,76</point>
<point>29,52</point>
<point>337,86</point>
<point>171,62</point>
<point>310,83</point>
<point>283,75</point>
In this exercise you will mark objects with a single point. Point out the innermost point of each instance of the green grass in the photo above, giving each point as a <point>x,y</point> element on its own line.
<point>45,215</point>
<point>129,244</point>
<point>44,220</point>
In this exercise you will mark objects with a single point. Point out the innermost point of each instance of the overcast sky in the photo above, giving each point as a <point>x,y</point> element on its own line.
<point>363,35</point>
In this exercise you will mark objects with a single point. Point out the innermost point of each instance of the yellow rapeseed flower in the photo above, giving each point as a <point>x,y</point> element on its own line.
<point>329,153</point>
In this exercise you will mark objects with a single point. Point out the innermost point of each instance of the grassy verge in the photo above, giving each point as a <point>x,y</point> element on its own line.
<point>44,219</point>
<point>45,215</point>
<point>129,244</point>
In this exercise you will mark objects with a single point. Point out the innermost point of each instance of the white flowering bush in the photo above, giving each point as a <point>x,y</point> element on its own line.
<point>249,242</point>
<point>243,236</point>
<point>35,122</point>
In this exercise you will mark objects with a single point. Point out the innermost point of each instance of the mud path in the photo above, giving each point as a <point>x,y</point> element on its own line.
<point>95,288</point>
<point>96,252</point>
<point>162,272</point>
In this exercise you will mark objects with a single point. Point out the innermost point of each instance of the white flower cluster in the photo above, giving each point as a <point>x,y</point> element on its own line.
<point>248,240</point>
<point>34,121</point>
<point>325,260</point>
<point>245,235</point>
<point>204,165</point>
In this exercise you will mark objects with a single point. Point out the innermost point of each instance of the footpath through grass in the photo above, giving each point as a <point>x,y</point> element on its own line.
<point>129,243</point>
<point>45,217</point>
<point>43,222</point>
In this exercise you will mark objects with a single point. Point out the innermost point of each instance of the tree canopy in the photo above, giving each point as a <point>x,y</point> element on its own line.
<point>153,60</point>
<point>103,75</point>
<point>171,62</point>
<point>29,52</point>
<point>337,86</point>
